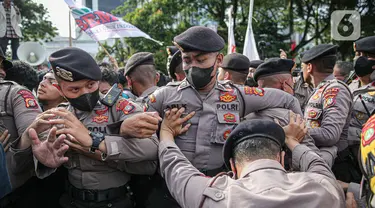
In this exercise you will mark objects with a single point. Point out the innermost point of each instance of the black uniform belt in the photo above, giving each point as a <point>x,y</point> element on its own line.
<point>212,172</point>
<point>97,195</point>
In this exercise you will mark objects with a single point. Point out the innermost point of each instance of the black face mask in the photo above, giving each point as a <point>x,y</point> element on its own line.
<point>85,102</point>
<point>251,82</point>
<point>363,66</point>
<point>199,77</point>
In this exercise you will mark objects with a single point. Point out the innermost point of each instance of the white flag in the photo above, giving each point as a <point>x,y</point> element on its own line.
<point>231,41</point>
<point>100,25</point>
<point>250,48</point>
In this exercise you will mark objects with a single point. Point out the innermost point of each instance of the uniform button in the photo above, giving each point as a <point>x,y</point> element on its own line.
<point>219,195</point>
<point>109,205</point>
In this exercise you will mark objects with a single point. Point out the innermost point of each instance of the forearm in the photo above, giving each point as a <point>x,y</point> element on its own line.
<point>306,160</point>
<point>24,142</point>
<point>324,137</point>
<point>129,150</point>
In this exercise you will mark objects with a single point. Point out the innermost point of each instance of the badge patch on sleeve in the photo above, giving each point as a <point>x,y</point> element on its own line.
<point>227,97</point>
<point>230,118</point>
<point>226,134</point>
<point>125,106</point>
<point>368,136</point>
<point>254,91</point>
<point>314,124</point>
<point>331,92</point>
<point>152,98</point>
<point>100,118</point>
<point>329,101</point>
<point>312,114</point>
<point>29,99</point>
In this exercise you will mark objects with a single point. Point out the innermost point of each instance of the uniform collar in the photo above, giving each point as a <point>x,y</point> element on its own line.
<point>223,86</point>
<point>82,115</point>
<point>149,91</point>
<point>184,84</point>
<point>262,164</point>
<point>322,83</point>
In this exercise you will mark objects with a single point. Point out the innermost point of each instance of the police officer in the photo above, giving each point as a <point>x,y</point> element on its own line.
<point>364,47</point>
<point>253,151</point>
<point>250,77</point>
<point>219,106</point>
<point>141,76</point>
<point>100,161</point>
<point>18,109</point>
<point>329,107</point>
<point>363,108</point>
<point>276,73</point>
<point>175,67</point>
<point>235,68</point>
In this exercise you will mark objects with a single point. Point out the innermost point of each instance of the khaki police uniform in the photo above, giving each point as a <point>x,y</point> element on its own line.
<point>215,115</point>
<point>265,183</point>
<point>328,117</point>
<point>302,92</point>
<point>18,109</point>
<point>124,156</point>
<point>282,115</point>
<point>143,99</point>
<point>356,84</point>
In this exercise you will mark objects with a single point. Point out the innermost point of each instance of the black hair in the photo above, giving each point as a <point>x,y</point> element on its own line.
<point>23,74</point>
<point>344,67</point>
<point>109,75</point>
<point>254,149</point>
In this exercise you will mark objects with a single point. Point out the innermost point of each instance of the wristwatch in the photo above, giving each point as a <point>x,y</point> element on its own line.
<point>97,137</point>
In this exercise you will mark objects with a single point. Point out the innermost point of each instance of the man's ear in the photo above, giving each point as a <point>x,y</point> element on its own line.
<point>309,67</point>
<point>233,167</point>
<point>157,77</point>
<point>282,158</point>
<point>227,76</point>
<point>220,58</point>
<point>129,81</point>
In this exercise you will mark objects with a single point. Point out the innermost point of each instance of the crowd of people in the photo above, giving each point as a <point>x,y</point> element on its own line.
<point>219,131</point>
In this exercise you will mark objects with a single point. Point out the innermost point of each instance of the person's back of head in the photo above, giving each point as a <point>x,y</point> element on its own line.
<point>23,74</point>
<point>145,75</point>
<point>342,69</point>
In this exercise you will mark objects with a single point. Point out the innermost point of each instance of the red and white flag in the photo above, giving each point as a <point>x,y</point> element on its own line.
<point>231,41</point>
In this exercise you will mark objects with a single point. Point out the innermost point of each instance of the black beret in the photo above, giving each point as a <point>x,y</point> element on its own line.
<point>256,63</point>
<point>274,66</point>
<point>199,38</point>
<point>319,51</point>
<point>250,129</point>
<point>236,62</point>
<point>74,64</point>
<point>366,44</point>
<point>171,50</point>
<point>6,64</point>
<point>175,62</point>
<point>138,59</point>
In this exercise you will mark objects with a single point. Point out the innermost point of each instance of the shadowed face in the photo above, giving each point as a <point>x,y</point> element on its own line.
<point>47,90</point>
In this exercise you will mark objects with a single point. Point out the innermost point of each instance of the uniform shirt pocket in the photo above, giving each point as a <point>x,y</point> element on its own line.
<point>226,121</point>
